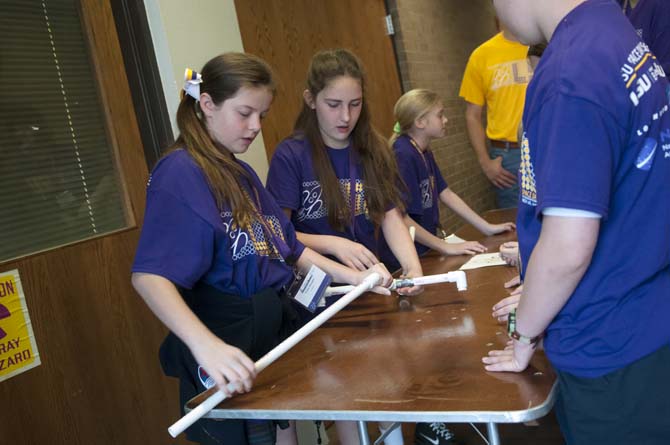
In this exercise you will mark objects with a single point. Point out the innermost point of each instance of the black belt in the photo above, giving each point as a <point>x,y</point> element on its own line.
<point>503,144</point>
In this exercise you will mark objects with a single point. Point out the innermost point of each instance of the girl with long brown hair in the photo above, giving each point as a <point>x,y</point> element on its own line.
<point>336,177</point>
<point>216,253</point>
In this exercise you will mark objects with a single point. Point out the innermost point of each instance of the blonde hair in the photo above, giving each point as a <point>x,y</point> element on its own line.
<point>411,106</point>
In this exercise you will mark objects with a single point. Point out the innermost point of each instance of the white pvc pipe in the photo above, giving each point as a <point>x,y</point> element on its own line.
<point>337,290</point>
<point>457,276</point>
<point>212,401</point>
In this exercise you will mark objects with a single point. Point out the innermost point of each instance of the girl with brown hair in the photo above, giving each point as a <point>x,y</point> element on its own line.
<point>336,177</point>
<point>216,253</point>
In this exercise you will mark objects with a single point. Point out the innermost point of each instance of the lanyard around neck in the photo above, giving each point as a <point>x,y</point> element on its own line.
<point>432,184</point>
<point>431,175</point>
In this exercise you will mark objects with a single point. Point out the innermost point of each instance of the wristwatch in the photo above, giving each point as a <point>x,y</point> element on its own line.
<point>513,333</point>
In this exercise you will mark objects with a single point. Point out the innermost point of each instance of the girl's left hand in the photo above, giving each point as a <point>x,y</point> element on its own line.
<point>493,229</point>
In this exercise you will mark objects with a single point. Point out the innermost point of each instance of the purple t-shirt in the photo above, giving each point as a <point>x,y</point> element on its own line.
<point>186,238</point>
<point>601,143</point>
<point>651,20</point>
<point>423,182</point>
<point>294,185</point>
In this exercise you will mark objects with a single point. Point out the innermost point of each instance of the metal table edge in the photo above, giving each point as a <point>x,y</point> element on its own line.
<point>517,416</point>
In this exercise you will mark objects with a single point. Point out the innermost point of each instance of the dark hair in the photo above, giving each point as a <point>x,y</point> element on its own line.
<point>379,168</point>
<point>222,77</point>
<point>537,50</point>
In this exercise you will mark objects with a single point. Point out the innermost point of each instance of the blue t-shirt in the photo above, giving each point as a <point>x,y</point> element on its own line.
<point>423,182</point>
<point>651,20</point>
<point>597,138</point>
<point>293,183</point>
<point>186,238</point>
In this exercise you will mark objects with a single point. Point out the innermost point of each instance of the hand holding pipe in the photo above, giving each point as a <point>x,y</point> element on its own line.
<point>212,401</point>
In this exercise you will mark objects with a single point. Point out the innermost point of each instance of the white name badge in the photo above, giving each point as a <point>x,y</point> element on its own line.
<point>311,288</point>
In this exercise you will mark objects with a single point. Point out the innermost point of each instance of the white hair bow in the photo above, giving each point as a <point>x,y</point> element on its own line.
<point>192,81</point>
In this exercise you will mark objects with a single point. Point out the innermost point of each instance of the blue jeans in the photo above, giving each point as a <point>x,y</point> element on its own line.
<point>511,158</point>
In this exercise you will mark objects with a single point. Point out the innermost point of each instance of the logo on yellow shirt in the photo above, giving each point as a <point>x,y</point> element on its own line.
<point>515,72</point>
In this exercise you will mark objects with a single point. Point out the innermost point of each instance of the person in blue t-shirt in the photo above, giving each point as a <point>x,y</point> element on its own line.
<point>216,252</point>
<point>420,120</point>
<point>594,221</point>
<point>651,20</point>
<point>336,178</point>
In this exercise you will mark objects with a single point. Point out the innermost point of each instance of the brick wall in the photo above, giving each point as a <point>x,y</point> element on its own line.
<point>434,39</point>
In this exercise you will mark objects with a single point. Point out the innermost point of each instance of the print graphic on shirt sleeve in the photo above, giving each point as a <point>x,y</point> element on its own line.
<point>640,72</point>
<point>528,190</point>
<point>665,142</point>
<point>646,156</point>
<point>654,117</point>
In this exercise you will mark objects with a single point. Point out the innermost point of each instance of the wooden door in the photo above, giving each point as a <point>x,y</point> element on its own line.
<point>99,381</point>
<point>287,33</point>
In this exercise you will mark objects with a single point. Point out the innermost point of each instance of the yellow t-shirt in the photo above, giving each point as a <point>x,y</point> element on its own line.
<point>497,75</point>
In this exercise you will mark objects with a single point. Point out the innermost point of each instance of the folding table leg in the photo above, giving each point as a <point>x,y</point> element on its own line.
<point>363,432</point>
<point>492,430</point>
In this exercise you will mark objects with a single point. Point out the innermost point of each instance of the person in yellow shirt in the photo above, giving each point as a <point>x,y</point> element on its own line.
<point>496,77</point>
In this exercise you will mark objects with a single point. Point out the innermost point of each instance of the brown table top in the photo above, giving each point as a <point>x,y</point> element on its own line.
<point>377,361</point>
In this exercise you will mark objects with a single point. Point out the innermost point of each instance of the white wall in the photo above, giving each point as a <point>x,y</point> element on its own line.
<point>187,35</point>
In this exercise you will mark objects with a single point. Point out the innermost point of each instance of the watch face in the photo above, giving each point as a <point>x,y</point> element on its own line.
<point>512,333</point>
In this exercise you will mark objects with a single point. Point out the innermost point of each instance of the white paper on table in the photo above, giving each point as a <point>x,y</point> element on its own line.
<point>453,239</point>
<point>483,260</point>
